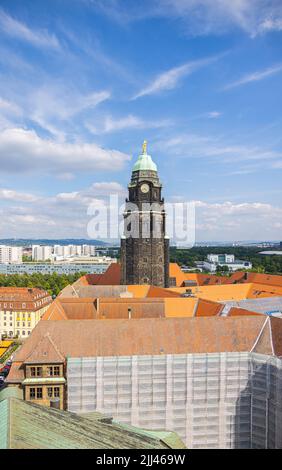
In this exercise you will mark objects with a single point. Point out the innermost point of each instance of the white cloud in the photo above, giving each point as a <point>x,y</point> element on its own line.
<point>213,114</point>
<point>241,221</point>
<point>194,146</point>
<point>9,108</point>
<point>170,79</point>
<point>255,77</point>
<point>11,195</point>
<point>110,124</point>
<point>66,214</point>
<point>19,30</point>
<point>51,105</point>
<point>63,215</point>
<point>202,17</point>
<point>270,24</point>
<point>24,150</point>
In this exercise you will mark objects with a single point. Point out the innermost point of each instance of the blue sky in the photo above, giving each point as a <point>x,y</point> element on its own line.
<point>84,82</point>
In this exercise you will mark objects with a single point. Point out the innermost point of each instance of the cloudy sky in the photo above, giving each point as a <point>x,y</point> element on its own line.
<point>84,82</point>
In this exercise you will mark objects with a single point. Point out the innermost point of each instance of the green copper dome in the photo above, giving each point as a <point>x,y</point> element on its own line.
<point>145,161</point>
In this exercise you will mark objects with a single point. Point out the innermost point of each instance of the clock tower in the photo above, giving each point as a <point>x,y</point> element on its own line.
<point>144,245</point>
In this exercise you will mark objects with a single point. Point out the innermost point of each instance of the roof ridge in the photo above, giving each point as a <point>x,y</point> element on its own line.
<point>271,338</point>
<point>259,335</point>
<point>48,336</point>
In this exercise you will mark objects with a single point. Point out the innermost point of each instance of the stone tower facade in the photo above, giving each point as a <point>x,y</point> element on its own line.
<point>144,245</point>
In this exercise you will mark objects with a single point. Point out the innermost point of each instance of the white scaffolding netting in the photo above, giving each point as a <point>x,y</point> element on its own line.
<point>226,400</point>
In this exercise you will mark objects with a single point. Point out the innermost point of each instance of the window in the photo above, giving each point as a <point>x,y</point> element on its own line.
<point>32,393</point>
<point>56,392</point>
<point>36,371</point>
<point>49,392</point>
<point>53,370</point>
<point>23,333</point>
<point>39,393</point>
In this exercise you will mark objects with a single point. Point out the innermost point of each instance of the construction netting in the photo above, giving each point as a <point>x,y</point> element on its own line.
<point>226,400</point>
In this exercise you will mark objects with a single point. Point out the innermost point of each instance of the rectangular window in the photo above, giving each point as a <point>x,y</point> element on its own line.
<point>53,370</point>
<point>50,392</point>
<point>39,393</point>
<point>32,393</point>
<point>56,392</point>
<point>36,371</point>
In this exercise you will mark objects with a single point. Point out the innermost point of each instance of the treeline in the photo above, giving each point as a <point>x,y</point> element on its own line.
<point>271,264</point>
<point>53,283</point>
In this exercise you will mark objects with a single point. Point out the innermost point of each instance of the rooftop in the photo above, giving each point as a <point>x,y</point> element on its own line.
<point>26,425</point>
<point>149,336</point>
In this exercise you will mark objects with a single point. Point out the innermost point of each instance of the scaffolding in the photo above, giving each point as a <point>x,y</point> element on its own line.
<point>225,400</point>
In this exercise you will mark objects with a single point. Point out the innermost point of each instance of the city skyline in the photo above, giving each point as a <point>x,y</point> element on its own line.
<point>83,83</point>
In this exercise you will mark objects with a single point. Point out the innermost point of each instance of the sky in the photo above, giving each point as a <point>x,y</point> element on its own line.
<point>84,82</point>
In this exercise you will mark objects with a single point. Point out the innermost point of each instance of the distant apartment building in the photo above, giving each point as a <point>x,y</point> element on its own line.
<point>67,251</point>
<point>98,267</point>
<point>21,309</point>
<point>10,254</point>
<point>213,261</point>
<point>44,252</point>
<point>41,253</point>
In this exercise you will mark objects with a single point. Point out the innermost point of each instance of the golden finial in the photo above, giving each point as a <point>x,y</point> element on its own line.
<point>144,147</point>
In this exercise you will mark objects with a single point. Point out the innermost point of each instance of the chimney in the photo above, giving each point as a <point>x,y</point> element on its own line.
<point>55,403</point>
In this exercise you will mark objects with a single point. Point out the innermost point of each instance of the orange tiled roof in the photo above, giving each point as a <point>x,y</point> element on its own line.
<point>208,308</point>
<point>235,311</point>
<point>71,309</point>
<point>153,336</point>
<point>23,298</point>
<point>180,307</point>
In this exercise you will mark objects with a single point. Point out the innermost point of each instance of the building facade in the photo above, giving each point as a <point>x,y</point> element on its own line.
<point>21,309</point>
<point>10,254</point>
<point>144,246</point>
<point>41,252</point>
<point>213,261</point>
<point>59,268</point>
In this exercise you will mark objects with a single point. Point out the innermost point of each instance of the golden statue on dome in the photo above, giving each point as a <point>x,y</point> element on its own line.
<point>144,147</point>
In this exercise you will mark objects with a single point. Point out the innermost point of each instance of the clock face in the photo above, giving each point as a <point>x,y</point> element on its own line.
<point>145,188</point>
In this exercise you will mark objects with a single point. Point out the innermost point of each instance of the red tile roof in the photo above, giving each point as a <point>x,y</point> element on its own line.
<point>153,336</point>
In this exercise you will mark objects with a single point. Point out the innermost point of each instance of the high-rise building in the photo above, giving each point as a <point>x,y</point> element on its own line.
<point>41,253</point>
<point>10,254</point>
<point>144,246</point>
